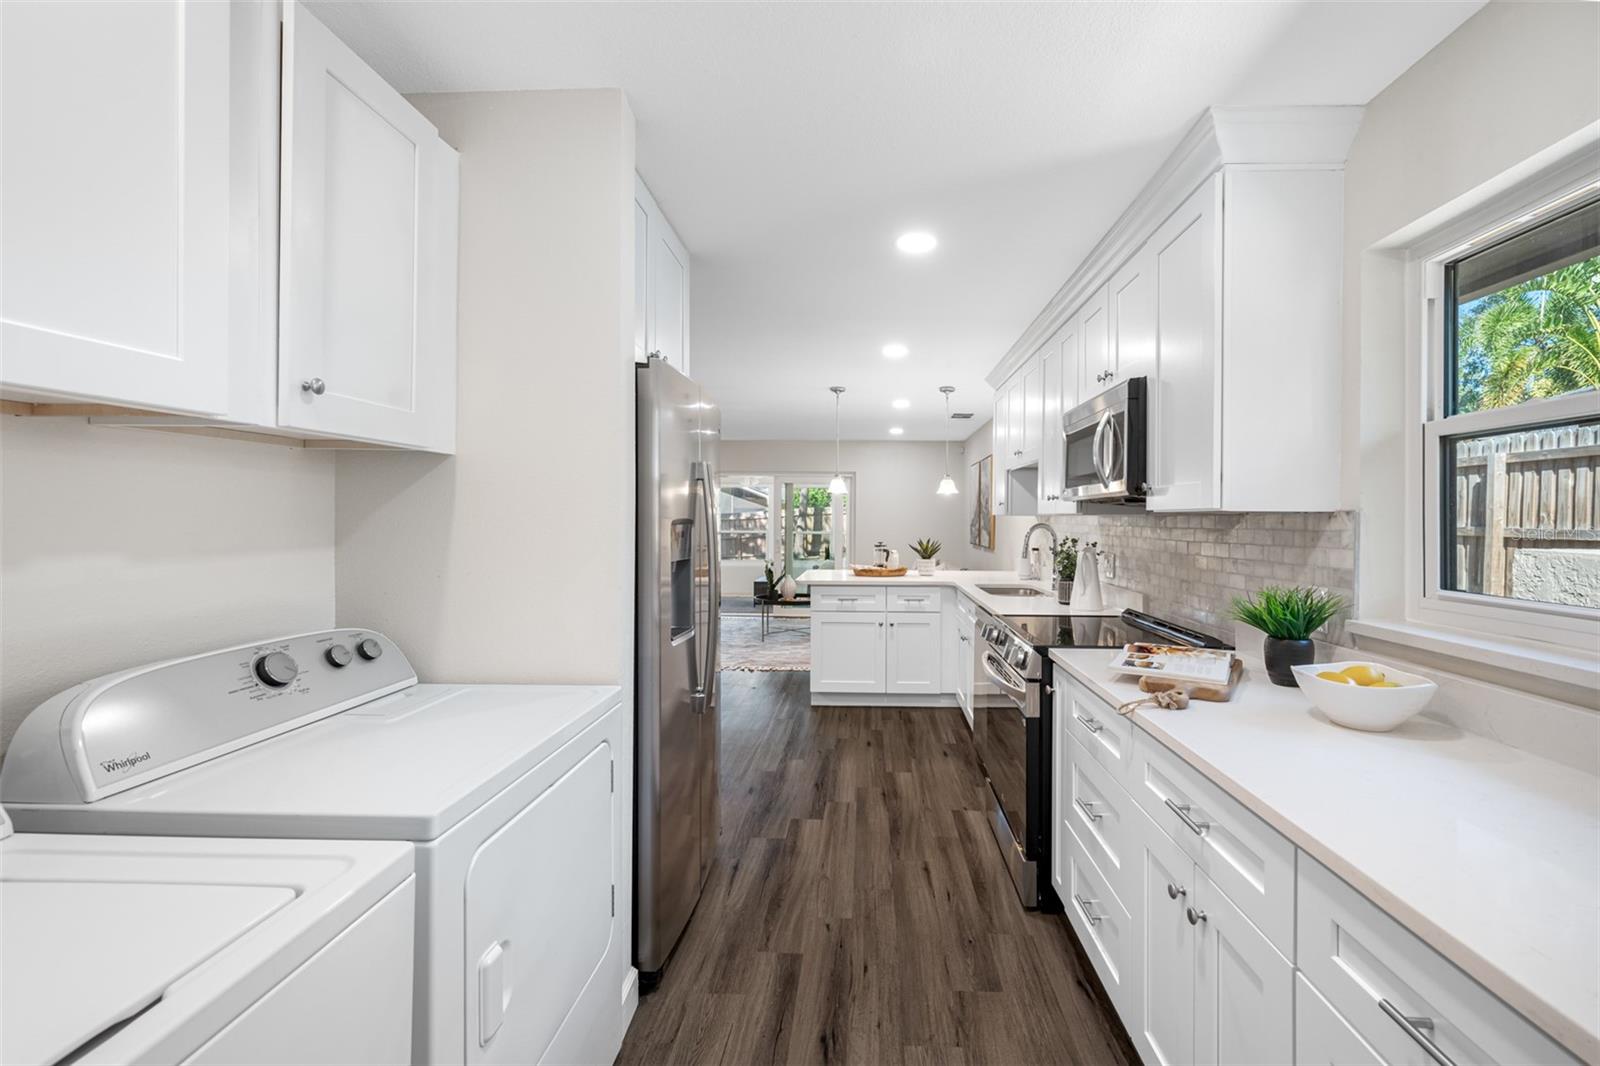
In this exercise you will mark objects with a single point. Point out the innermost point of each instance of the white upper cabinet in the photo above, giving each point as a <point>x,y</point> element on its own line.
<point>661,285</point>
<point>115,203</point>
<point>1185,401</point>
<point>1221,286</point>
<point>367,290</point>
<point>1060,363</point>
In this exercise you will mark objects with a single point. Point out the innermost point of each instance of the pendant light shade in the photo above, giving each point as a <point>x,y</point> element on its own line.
<point>837,485</point>
<point>947,484</point>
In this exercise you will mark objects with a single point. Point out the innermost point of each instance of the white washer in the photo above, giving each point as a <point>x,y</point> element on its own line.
<point>140,949</point>
<point>507,791</point>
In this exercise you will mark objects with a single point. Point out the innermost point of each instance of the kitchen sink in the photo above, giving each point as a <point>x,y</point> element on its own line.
<point>1009,590</point>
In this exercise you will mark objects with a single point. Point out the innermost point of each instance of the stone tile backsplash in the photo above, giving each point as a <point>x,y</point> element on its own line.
<point>1194,565</point>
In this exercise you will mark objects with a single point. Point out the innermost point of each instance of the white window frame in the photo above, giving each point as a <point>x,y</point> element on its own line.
<point>1427,603</point>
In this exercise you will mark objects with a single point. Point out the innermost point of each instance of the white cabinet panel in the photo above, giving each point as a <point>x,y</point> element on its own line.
<point>1133,317</point>
<point>1163,1020</point>
<point>847,652</point>
<point>1321,1036</point>
<point>848,598</point>
<point>368,285</point>
<point>1104,733</point>
<point>641,282</point>
<point>115,202</point>
<point>966,660</point>
<point>1105,928</point>
<point>661,284</point>
<point>1185,414</point>
<point>1059,370</point>
<point>1016,407</point>
<point>1099,357</point>
<point>1243,989</point>
<point>913,654</point>
<point>1032,410</point>
<point>1102,816</point>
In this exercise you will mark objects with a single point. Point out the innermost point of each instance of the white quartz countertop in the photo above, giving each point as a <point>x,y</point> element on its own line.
<point>967,582</point>
<point>1488,853</point>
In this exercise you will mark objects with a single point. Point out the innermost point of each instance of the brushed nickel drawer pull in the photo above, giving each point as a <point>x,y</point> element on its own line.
<point>1091,724</point>
<point>1418,1029</point>
<point>1088,809</point>
<point>1083,905</point>
<point>1182,811</point>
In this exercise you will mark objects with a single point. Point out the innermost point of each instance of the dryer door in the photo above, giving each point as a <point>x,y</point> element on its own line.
<point>539,900</point>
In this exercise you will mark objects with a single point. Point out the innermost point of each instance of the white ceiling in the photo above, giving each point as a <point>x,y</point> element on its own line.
<point>790,143</point>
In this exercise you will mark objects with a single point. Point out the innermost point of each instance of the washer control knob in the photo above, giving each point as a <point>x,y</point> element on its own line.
<point>277,669</point>
<point>368,648</point>
<point>338,655</point>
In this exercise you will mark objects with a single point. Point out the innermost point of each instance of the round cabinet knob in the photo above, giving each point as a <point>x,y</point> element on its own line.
<point>1195,917</point>
<point>369,648</point>
<point>315,386</point>
<point>338,655</point>
<point>277,669</point>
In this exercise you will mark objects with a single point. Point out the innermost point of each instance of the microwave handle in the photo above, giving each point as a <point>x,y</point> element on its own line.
<point>1115,462</point>
<point>1095,450</point>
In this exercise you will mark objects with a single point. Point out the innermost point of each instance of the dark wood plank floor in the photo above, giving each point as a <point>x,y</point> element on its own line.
<point>859,912</point>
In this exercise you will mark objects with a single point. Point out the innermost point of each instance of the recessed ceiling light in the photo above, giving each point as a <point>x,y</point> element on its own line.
<point>900,405</point>
<point>917,242</point>
<point>895,431</point>
<point>895,351</point>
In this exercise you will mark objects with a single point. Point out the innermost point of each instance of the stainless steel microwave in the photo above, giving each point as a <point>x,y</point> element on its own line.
<point>1103,446</point>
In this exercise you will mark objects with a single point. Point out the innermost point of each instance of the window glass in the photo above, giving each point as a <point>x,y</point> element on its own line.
<point>1527,316</point>
<point>744,504</point>
<point>1521,514</point>
<point>814,523</point>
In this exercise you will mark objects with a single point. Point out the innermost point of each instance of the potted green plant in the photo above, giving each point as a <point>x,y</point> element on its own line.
<point>1066,566</point>
<point>1288,616</point>
<point>927,553</point>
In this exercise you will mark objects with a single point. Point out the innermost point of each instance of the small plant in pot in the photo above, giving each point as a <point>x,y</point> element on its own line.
<point>927,552</point>
<point>1066,564</point>
<point>1288,616</point>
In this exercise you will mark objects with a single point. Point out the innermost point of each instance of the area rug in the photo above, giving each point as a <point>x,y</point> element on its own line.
<point>787,647</point>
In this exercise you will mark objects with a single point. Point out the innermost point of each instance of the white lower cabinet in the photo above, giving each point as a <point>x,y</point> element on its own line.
<point>913,655</point>
<point>1243,989</point>
<point>847,652</point>
<point>1162,1022</point>
<point>1321,1035</point>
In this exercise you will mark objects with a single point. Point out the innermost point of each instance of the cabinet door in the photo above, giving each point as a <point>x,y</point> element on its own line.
<point>1243,989</point>
<point>115,207</point>
<point>1033,405</point>
<point>1060,792</point>
<point>1163,1026</point>
<point>669,296</point>
<point>367,294</point>
<point>1133,317</point>
<point>847,652</point>
<point>1185,395</point>
<point>1059,368</point>
<point>1099,358</point>
<point>1000,446</point>
<point>1016,411</point>
<point>913,659</point>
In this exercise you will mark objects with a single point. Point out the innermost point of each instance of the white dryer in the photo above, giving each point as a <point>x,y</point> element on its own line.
<point>512,794</point>
<point>139,949</point>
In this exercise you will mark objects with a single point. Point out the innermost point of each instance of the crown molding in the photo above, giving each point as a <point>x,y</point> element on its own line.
<point>1318,137</point>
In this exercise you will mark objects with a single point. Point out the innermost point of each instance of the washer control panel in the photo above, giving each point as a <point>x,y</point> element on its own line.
<point>124,729</point>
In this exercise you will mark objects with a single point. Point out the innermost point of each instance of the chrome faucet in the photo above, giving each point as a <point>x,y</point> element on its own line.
<point>1027,571</point>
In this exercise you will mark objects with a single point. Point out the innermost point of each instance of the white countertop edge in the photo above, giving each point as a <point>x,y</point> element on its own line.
<point>967,582</point>
<point>1571,1033</point>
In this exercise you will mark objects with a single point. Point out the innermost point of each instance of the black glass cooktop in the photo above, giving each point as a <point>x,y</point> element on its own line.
<point>1085,631</point>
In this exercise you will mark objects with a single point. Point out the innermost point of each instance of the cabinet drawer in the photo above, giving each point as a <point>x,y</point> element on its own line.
<point>1246,858</point>
<point>866,598</point>
<point>1100,813</point>
<point>920,599</point>
<point>1321,1036</point>
<point>1363,961</point>
<point>1104,927</point>
<point>1106,734</point>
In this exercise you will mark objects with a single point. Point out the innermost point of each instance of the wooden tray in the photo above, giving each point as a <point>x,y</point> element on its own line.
<point>1198,690</point>
<point>878,571</point>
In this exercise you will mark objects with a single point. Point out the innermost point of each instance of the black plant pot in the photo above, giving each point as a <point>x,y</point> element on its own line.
<point>1283,655</point>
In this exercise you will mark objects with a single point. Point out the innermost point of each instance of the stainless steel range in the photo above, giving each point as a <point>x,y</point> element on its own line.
<point>1012,720</point>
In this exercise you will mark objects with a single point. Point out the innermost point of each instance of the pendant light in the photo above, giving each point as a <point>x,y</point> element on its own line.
<point>837,485</point>
<point>947,485</point>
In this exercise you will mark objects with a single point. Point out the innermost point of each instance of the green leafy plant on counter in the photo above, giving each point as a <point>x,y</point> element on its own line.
<point>1288,613</point>
<point>1067,553</point>
<point>927,548</point>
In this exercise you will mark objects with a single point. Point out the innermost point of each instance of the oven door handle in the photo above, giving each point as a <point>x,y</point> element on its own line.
<point>1020,692</point>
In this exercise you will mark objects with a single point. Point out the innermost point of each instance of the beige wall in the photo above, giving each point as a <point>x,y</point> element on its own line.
<point>1515,79</point>
<point>895,482</point>
<point>511,561</point>
<point>122,546</point>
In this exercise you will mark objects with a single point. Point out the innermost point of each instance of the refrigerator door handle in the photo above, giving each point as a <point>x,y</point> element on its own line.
<point>711,635</point>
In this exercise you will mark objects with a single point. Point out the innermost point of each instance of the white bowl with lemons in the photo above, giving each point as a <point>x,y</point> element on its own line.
<point>1364,695</point>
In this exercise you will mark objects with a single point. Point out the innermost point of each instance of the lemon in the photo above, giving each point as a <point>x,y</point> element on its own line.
<point>1384,684</point>
<point>1336,678</point>
<point>1362,674</point>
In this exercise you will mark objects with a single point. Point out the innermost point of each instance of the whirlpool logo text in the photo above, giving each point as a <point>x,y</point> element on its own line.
<point>126,762</point>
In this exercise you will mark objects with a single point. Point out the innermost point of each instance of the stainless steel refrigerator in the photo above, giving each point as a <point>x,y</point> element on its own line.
<point>678,586</point>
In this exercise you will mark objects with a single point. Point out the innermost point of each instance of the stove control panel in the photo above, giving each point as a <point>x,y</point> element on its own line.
<point>125,729</point>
